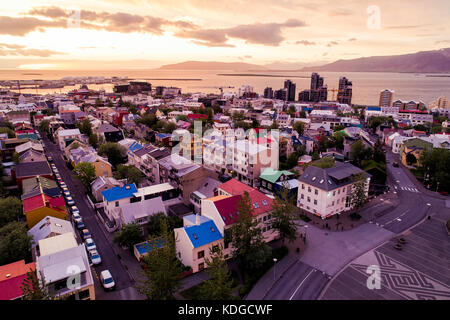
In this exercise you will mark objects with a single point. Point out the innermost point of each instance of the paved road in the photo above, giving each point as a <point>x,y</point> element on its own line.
<point>110,260</point>
<point>299,282</point>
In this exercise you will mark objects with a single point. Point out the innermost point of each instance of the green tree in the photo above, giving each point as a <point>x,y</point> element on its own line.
<point>249,247</point>
<point>131,173</point>
<point>85,171</point>
<point>162,269</point>
<point>169,127</point>
<point>436,129</point>
<point>436,165</point>
<point>220,284</point>
<point>324,163</point>
<point>302,114</point>
<point>154,223</point>
<point>338,140</point>
<point>358,195</point>
<point>15,243</point>
<point>16,157</point>
<point>115,153</point>
<point>299,126</point>
<point>148,120</point>
<point>93,140</point>
<point>129,235</point>
<point>7,130</point>
<point>284,218</point>
<point>359,152</point>
<point>411,159</point>
<point>34,288</point>
<point>44,126</point>
<point>10,210</point>
<point>378,154</point>
<point>85,127</point>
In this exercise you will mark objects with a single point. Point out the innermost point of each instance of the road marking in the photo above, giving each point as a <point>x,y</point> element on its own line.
<point>302,283</point>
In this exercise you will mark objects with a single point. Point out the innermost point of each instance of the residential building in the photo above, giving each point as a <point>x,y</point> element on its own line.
<point>386,97</point>
<point>196,241</point>
<point>37,207</point>
<point>12,276</point>
<point>327,192</point>
<point>65,137</point>
<point>345,91</point>
<point>103,183</point>
<point>28,170</point>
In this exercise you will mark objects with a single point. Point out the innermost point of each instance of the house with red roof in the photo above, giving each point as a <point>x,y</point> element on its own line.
<point>223,210</point>
<point>37,207</point>
<point>11,278</point>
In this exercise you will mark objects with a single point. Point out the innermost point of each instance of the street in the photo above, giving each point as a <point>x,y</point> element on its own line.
<point>110,261</point>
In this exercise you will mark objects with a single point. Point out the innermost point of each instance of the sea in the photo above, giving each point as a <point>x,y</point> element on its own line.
<point>366,85</point>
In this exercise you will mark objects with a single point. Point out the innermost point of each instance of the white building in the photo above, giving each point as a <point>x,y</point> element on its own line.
<point>326,192</point>
<point>66,136</point>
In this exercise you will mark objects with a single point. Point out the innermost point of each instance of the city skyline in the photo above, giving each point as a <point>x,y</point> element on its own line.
<point>150,34</point>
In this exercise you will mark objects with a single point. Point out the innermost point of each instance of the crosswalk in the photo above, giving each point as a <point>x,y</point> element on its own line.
<point>410,189</point>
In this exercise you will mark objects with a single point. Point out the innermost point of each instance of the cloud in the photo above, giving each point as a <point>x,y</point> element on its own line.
<point>340,12</point>
<point>55,17</point>
<point>406,27</point>
<point>269,34</point>
<point>352,39</point>
<point>20,50</point>
<point>305,42</point>
<point>332,43</point>
<point>324,54</point>
<point>442,41</point>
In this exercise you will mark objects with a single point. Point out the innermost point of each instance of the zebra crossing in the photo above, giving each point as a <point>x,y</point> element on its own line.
<point>410,189</point>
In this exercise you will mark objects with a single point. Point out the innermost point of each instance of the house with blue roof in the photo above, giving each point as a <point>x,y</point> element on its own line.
<point>195,241</point>
<point>117,197</point>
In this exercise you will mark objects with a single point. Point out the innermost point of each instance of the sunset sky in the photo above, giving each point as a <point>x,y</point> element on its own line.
<point>134,33</point>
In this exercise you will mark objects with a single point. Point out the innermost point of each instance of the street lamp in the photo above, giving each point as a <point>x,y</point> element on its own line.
<point>274,264</point>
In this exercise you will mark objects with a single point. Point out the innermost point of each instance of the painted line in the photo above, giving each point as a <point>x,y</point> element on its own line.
<point>313,270</point>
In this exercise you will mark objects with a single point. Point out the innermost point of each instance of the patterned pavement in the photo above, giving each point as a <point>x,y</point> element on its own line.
<point>420,271</point>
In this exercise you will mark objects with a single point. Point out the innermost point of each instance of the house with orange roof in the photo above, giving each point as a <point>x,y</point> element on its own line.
<point>11,279</point>
<point>39,206</point>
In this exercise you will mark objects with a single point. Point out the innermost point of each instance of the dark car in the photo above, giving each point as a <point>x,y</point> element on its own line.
<point>395,164</point>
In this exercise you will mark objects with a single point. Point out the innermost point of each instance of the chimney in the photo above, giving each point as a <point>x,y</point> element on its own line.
<point>197,219</point>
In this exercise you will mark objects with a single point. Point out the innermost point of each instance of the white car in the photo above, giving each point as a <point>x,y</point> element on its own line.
<point>74,209</point>
<point>95,257</point>
<point>67,193</point>
<point>107,280</point>
<point>90,244</point>
<point>70,201</point>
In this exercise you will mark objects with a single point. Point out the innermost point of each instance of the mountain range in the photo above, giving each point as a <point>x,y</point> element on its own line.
<point>435,61</point>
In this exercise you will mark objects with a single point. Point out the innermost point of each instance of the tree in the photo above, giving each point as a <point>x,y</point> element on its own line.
<point>338,140</point>
<point>10,210</point>
<point>148,120</point>
<point>436,129</point>
<point>378,154</point>
<point>85,171</point>
<point>324,163</point>
<point>154,223</point>
<point>411,159</point>
<point>284,217</point>
<point>129,235</point>
<point>436,165</point>
<point>249,247</point>
<point>358,195</point>
<point>7,130</point>
<point>34,288</point>
<point>162,269</point>
<point>131,173</point>
<point>16,157</point>
<point>299,126</point>
<point>15,243</point>
<point>220,284</point>
<point>44,126</point>
<point>93,140</point>
<point>420,127</point>
<point>358,152</point>
<point>85,127</point>
<point>115,153</point>
<point>302,114</point>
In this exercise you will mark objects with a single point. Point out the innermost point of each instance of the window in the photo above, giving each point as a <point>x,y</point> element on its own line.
<point>334,193</point>
<point>302,196</point>
<point>308,199</point>
<point>201,266</point>
<point>309,189</point>
<point>303,186</point>
<point>315,202</point>
<point>201,254</point>
<point>316,192</point>
<point>117,203</point>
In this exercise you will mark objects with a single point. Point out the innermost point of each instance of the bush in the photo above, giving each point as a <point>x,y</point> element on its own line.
<point>280,253</point>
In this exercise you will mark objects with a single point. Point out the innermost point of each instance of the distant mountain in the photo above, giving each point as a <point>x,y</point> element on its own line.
<point>424,61</point>
<point>212,65</point>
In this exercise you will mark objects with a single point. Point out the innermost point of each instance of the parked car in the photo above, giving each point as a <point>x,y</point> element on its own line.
<point>395,164</point>
<point>74,209</point>
<point>86,234</point>
<point>107,280</point>
<point>95,257</point>
<point>80,224</point>
<point>67,193</point>
<point>70,201</point>
<point>63,185</point>
<point>49,159</point>
<point>76,217</point>
<point>90,244</point>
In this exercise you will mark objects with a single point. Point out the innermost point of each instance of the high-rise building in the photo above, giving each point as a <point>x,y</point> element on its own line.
<point>281,94</point>
<point>290,87</point>
<point>386,97</point>
<point>345,91</point>
<point>268,93</point>
<point>318,91</point>
<point>440,103</point>
<point>316,81</point>
<point>304,95</point>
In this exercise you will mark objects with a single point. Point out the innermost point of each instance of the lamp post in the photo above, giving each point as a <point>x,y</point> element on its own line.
<point>274,264</point>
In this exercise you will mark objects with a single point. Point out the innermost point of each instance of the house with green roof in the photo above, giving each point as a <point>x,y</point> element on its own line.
<point>277,181</point>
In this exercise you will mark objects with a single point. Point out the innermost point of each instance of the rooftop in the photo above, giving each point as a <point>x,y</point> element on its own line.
<point>117,193</point>
<point>203,234</point>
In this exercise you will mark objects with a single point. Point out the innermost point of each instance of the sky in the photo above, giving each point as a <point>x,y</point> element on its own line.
<point>64,34</point>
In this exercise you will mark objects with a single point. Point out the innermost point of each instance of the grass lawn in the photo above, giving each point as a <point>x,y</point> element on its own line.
<point>195,292</point>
